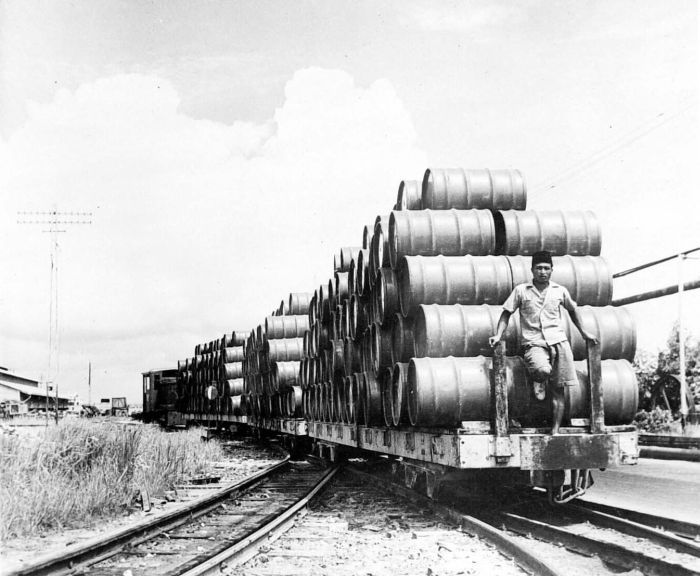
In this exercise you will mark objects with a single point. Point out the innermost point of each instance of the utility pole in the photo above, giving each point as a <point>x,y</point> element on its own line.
<point>681,344</point>
<point>46,391</point>
<point>55,221</point>
<point>680,287</point>
<point>89,383</point>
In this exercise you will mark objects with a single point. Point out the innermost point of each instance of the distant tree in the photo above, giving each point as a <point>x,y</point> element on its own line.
<point>669,362</point>
<point>645,365</point>
<point>649,369</point>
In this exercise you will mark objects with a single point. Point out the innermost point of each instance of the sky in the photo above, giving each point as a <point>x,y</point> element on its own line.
<point>226,151</point>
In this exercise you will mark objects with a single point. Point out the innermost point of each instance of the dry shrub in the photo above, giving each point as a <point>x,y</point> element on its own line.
<point>80,471</point>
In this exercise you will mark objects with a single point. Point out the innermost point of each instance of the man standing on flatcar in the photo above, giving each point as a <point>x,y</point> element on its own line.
<point>547,351</point>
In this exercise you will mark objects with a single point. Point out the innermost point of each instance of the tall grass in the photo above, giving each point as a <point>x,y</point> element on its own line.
<point>79,471</point>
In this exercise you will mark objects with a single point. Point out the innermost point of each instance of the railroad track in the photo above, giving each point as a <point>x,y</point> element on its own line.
<point>519,554</point>
<point>199,538</point>
<point>620,539</point>
<point>649,544</point>
<point>683,529</point>
<point>360,512</point>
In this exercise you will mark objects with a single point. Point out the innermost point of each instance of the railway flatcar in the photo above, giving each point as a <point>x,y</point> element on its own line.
<point>391,356</point>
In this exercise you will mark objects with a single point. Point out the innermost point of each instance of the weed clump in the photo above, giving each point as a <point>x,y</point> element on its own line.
<point>78,472</point>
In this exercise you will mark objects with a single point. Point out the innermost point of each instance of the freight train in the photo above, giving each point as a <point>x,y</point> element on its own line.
<point>391,356</point>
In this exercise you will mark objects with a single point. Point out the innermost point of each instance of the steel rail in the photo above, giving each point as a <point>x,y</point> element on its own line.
<point>101,548</point>
<point>667,539</point>
<point>248,545</point>
<point>685,529</point>
<point>614,554</point>
<point>667,532</point>
<point>527,560</point>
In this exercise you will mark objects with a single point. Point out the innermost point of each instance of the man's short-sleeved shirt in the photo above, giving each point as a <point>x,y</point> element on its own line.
<point>540,312</point>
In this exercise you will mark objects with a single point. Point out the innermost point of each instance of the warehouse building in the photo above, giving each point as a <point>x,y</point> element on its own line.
<point>21,395</point>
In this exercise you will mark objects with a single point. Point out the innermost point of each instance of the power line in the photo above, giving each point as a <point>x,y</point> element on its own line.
<point>626,139</point>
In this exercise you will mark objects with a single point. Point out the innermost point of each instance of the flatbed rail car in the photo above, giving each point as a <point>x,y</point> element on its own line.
<point>561,464</point>
<point>432,453</point>
<point>405,320</point>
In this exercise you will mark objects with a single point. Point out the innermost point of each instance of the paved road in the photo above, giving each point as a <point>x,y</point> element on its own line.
<point>664,487</point>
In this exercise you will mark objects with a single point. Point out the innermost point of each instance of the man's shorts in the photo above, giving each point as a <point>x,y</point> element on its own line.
<point>559,357</point>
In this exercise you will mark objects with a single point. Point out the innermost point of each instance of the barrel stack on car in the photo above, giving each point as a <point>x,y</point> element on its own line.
<point>397,338</point>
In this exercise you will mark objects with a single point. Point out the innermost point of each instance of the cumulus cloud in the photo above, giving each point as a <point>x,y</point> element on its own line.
<point>199,227</point>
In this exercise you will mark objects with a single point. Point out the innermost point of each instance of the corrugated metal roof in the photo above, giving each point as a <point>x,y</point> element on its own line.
<point>6,374</point>
<point>30,390</point>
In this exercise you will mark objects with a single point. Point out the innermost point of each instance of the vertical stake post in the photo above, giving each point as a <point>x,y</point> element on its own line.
<point>595,384</point>
<point>499,393</point>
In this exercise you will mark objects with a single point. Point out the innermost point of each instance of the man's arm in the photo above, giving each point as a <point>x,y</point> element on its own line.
<point>576,319</point>
<point>500,328</point>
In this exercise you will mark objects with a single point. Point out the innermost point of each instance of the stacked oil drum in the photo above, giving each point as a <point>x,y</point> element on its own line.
<point>272,362</point>
<point>399,334</point>
<point>209,380</point>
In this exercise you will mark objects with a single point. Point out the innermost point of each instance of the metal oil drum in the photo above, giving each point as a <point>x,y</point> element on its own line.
<point>371,400</point>
<point>456,330</point>
<point>399,394</point>
<point>337,261</point>
<point>234,387</point>
<point>353,361</point>
<point>384,379</point>
<point>381,346</point>
<point>620,392</point>
<point>387,295</point>
<point>359,319</point>
<point>576,233</point>
<point>379,257</point>
<point>409,195</point>
<point>614,327</point>
<point>233,354</point>
<point>367,232</point>
<point>277,327</point>
<point>294,402</point>
<point>446,232</point>
<point>402,339</point>
<point>235,405</point>
<point>284,374</point>
<point>588,278</point>
<point>231,370</point>
<point>448,391</point>
<point>299,303</point>
<point>350,395</point>
<point>346,256</point>
<point>443,189</point>
<point>341,286</point>
<point>452,280</point>
<point>361,272</point>
<point>284,350</point>
<point>339,398</point>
